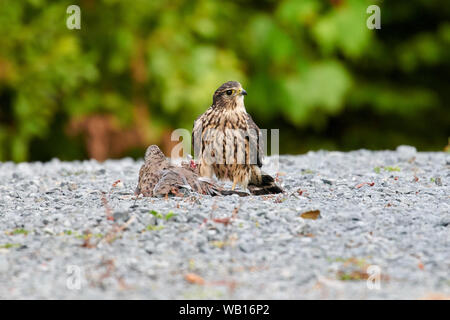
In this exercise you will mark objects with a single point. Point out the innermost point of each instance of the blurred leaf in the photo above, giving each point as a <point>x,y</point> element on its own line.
<point>344,28</point>
<point>310,67</point>
<point>313,214</point>
<point>322,87</point>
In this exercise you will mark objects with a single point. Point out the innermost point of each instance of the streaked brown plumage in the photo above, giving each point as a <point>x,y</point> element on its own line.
<point>229,144</point>
<point>158,178</point>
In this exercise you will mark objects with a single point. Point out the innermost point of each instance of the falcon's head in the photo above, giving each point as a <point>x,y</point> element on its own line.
<point>230,95</point>
<point>154,155</point>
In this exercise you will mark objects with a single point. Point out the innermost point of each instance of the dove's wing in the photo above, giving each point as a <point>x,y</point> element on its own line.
<point>175,178</point>
<point>150,172</point>
<point>137,191</point>
<point>169,182</point>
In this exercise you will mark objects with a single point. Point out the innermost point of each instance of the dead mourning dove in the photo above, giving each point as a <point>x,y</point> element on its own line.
<point>157,177</point>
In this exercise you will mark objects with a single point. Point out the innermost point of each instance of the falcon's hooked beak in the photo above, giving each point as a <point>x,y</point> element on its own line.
<point>242,92</point>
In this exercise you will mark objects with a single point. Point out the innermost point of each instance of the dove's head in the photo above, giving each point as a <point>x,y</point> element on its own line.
<point>230,95</point>
<point>153,154</point>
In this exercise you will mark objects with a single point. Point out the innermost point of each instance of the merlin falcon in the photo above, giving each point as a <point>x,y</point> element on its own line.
<point>229,144</point>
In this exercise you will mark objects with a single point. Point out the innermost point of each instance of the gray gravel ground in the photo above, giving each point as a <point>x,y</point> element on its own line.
<point>387,210</point>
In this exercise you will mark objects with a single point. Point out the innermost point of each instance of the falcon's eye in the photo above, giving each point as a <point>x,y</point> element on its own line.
<point>229,92</point>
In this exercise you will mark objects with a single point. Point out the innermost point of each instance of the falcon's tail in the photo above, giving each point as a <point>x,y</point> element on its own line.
<point>231,192</point>
<point>266,185</point>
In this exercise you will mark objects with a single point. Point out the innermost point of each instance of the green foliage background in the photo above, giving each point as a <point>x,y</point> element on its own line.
<point>311,67</point>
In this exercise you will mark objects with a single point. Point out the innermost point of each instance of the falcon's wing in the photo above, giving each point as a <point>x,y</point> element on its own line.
<point>197,136</point>
<point>256,142</point>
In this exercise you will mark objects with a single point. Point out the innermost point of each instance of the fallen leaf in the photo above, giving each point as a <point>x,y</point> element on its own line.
<point>116,183</point>
<point>194,279</point>
<point>308,235</point>
<point>225,221</point>
<point>364,183</point>
<point>313,214</point>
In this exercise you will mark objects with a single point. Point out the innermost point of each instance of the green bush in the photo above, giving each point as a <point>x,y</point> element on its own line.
<point>311,67</point>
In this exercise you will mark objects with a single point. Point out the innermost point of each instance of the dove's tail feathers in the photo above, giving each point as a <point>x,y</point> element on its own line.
<point>266,185</point>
